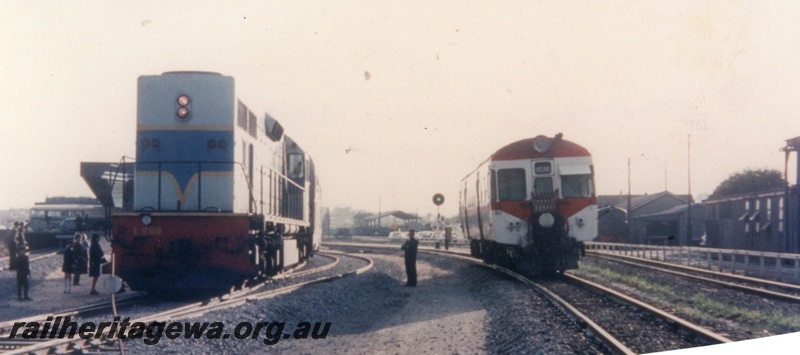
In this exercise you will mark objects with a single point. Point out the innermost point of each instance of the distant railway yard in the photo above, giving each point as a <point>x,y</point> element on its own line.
<point>350,298</point>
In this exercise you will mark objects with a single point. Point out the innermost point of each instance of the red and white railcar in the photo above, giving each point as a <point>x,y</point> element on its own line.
<point>531,205</point>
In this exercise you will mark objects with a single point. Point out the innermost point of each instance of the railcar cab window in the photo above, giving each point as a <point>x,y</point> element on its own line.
<point>511,184</point>
<point>296,170</point>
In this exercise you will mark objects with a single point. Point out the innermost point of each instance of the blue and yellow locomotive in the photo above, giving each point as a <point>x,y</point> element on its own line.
<point>220,195</point>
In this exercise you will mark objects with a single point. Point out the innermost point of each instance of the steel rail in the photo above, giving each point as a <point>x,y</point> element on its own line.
<point>638,262</point>
<point>706,334</point>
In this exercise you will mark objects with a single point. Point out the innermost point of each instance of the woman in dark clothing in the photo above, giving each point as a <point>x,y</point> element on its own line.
<point>83,259</point>
<point>95,260</point>
<point>70,266</point>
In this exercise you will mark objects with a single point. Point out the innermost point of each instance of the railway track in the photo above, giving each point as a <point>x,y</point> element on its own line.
<point>282,284</point>
<point>761,287</point>
<point>643,324</point>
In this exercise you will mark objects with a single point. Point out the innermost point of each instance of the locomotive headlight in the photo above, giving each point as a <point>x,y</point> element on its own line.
<point>146,219</point>
<point>183,112</point>
<point>546,220</point>
<point>183,100</point>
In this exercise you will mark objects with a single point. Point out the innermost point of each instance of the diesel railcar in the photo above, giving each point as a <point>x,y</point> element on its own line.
<point>531,205</point>
<point>220,194</point>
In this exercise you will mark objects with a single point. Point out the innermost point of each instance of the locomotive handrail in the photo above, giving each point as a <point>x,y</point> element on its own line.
<point>285,196</point>
<point>110,199</point>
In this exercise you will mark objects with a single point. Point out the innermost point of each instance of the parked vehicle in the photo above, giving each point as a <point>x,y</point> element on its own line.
<point>425,235</point>
<point>398,236</point>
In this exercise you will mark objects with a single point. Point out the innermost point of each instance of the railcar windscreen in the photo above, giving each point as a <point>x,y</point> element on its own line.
<point>577,186</point>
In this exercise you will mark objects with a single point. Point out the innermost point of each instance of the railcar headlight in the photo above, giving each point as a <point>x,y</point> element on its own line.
<point>541,144</point>
<point>222,144</point>
<point>146,219</point>
<point>546,220</point>
<point>155,143</point>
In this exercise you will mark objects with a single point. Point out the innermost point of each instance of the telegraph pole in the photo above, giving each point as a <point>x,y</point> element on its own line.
<point>628,212</point>
<point>689,208</point>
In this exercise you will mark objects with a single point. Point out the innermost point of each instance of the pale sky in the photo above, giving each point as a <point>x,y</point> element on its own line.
<point>399,100</point>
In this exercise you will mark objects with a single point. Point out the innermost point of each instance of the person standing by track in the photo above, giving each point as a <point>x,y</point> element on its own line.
<point>410,248</point>
<point>71,256</point>
<point>83,259</point>
<point>23,273</point>
<point>96,258</point>
<point>11,244</point>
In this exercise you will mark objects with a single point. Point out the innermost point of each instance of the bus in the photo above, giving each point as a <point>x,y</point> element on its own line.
<point>47,216</point>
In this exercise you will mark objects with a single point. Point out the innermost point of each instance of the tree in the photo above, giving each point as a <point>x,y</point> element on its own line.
<point>750,181</point>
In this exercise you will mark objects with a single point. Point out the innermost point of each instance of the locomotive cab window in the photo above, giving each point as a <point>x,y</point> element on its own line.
<point>296,166</point>
<point>511,184</point>
<point>576,181</point>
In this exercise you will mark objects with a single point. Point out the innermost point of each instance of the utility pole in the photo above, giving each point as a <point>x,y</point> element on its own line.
<point>689,173</point>
<point>628,212</point>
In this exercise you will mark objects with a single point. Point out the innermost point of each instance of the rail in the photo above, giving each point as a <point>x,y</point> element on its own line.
<point>777,266</point>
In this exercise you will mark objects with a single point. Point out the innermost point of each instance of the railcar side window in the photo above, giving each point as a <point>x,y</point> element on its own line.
<point>511,184</point>
<point>577,186</point>
<point>542,186</point>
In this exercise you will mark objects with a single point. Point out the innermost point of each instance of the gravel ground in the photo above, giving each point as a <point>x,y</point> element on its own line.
<point>457,308</point>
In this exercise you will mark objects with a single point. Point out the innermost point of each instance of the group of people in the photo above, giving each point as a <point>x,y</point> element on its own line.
<point>80,257</point>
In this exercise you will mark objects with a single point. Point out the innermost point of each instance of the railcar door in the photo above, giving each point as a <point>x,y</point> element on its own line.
<point>542,178</point>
